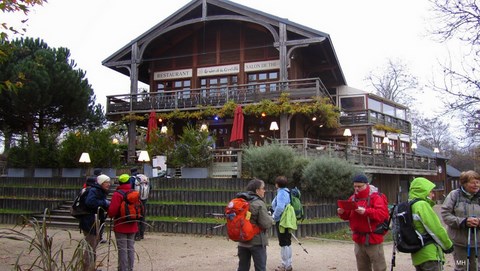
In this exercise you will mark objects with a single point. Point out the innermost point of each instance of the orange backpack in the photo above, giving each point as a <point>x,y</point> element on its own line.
<point>131,207</point>
<point>239,227</point>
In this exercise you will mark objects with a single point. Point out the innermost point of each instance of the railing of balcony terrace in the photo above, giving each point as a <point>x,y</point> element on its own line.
<point>299,90</point>
<point>374,117</point>
<point>360,155</point>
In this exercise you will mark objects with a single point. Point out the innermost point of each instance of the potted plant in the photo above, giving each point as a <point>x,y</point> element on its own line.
<point>193,152</point>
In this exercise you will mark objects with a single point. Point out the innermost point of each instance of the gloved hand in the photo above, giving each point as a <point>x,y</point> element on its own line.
<point>448,251</point>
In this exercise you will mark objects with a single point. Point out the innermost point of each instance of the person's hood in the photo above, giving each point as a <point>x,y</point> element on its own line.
<point>248,196</point>
<point>420,188</point>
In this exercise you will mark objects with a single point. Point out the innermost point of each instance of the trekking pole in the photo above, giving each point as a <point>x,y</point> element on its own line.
<point>109,236</point>
<point>394,252</point>
<point>468,247</point>
<point>295,237</point>
<point>476,247</point>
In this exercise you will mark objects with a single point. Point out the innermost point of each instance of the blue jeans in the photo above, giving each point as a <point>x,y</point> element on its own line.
<point>259,255</point>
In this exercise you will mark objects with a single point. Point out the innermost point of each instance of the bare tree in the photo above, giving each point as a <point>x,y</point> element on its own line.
<point>460,20</point>
<point>432,132</point>
<point>393,82</point>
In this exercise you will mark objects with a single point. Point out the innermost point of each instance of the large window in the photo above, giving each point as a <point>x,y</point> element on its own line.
<point>374,105</point>
<point>217,86</point>
<point>262,79</point>
<point>176,85</point>
<point>352,103</point>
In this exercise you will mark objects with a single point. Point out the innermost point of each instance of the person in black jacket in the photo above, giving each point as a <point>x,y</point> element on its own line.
<point>92,223</point>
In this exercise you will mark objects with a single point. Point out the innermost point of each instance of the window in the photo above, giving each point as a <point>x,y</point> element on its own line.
<point>374,105</point>
<point>263,78</point>
<point>352,103</point>
<point>401,113</point>
<point>217,86</point>
<point>388,110</point>
<point>176,85</point>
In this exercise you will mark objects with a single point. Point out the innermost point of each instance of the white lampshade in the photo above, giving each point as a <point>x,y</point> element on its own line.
<point>143,157</point>
<point>204,128</point>
<point>164,130</point>
<point>414,146</point>
<point>84,158</point>
<point>386,140</point>
<point>273,126</point>
<point>436,150</point>
<point>347,132</point>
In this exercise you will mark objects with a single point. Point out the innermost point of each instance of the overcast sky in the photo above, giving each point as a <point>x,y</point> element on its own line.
<point>364,33</point>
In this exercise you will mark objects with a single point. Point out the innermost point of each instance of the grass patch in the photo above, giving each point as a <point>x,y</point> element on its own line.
<point>321,220</point>
<point>186,219</point>
<point>187,203</point>
<point>15,211</point>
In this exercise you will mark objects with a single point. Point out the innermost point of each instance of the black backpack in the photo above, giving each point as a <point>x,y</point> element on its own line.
<point>405,237</point>
<point>78,208</point>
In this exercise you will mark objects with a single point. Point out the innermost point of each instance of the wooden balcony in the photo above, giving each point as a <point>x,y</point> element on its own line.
<point>190,99</point>
<point>362,117</point>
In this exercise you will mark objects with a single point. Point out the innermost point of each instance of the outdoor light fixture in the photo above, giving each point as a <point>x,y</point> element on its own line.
<point>274,126</point>
<point>314,118</point>
<point>414,146</point>
<point>385,140</point>
<point>347,132</point>
<point>436,150</point>
<point>204,128</point>
<point>143,157</point>
<point>263,114</point>
<point>164,130</point>
<point>115,141</point>
<point>85,158</point>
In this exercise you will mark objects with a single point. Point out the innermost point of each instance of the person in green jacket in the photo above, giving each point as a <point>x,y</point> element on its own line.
<point>425,220</point>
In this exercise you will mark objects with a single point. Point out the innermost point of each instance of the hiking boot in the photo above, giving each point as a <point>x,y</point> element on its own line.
<point>137,238</point>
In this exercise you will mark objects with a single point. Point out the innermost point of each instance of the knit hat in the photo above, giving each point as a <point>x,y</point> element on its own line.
<point>360,178</point>
<point>123,178</point>
<point>133,170</point>
<point>102,178</point>
<point>97,171</point>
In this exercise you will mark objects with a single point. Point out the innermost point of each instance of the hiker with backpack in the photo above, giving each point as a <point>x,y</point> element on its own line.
<point>461,213</point>
<point>256,248</point>
<point>279,205</point>
<point>369,212</point>
<point>425,220</point>
<point>124,228</point>
<point>143,186</point>
<point>91,224</point>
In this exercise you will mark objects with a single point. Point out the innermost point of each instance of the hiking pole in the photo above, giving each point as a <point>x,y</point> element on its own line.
<point>468,247</point>
<point>476,247</point>
<point>109,242</point>
<point>394,252</point>
<point>295,237</point>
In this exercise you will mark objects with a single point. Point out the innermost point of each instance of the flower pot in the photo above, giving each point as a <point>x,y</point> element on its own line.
<point>194,173</point>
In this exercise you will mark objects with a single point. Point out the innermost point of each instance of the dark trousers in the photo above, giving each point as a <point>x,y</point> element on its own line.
<point>284,239</point>
<point>141,222</point>
<point>257,253</point>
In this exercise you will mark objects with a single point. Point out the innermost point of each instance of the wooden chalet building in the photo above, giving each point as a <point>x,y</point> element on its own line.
<point>211,52</point>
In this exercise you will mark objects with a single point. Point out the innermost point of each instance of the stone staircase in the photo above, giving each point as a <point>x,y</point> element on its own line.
<point>187,206</point>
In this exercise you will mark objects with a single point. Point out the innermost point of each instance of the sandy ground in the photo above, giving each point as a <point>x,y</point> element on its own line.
<point>172,252</point>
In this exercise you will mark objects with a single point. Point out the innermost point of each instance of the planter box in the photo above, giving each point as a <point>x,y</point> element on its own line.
<point>16,172</point>
<point>194,173</point>
<point>71,172</point>
<point>43,172</point>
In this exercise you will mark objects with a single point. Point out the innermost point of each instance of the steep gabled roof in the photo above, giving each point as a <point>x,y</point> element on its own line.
<point>453,172</point>
<point>207,10</point>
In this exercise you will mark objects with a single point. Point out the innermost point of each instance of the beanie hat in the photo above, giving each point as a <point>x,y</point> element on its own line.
<point>97,171</point>
<point>134,170</point>
<point>123,178</point>
<point>360,178</point>
<point>102,178</point>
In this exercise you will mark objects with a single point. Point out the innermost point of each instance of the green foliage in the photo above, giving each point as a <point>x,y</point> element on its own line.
<point>269,161</point>
<point>193,148</point>
<point>299,164</point>
<point>161,144</point>
<point>98,144</point>
<point>329,177</point>
<point>49,92</point>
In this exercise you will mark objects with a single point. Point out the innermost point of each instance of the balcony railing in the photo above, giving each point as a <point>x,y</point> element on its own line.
<point>187,99</point>
<point>227,162</point>
<point>362,117</point>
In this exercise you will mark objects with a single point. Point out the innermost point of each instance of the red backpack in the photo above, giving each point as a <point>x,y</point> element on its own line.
<point>239,227</point>
<point>131,207</point>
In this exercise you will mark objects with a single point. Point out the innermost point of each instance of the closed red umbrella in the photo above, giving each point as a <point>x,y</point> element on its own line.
<point>237,128</point>
<point>152,126</point>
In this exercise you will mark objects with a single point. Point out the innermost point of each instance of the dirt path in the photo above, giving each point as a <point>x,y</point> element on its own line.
<point>173,252</point>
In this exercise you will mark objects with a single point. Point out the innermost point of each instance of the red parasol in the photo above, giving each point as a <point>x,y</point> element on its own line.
<point>152,126</point>
<point>237,129</point>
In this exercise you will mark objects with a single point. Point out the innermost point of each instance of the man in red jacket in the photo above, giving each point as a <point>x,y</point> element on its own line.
<point>371,212</point>
<point>124,231</point>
